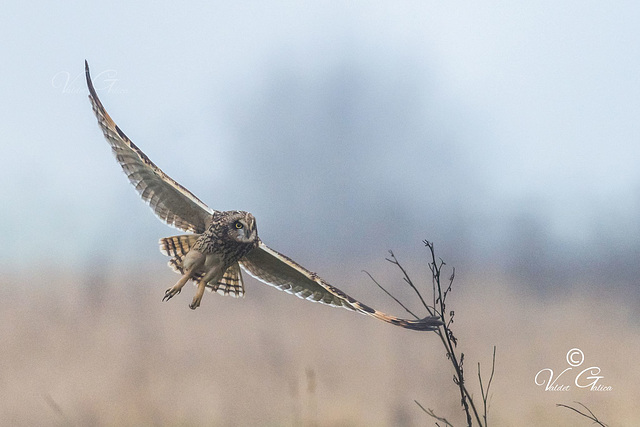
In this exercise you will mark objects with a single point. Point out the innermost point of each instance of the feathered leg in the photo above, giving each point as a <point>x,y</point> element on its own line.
<point>192,262</point>
<point>198,297</point>
<point>212,275</point>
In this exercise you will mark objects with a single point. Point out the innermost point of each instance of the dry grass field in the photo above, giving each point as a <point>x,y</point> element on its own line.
<point>100,348</point>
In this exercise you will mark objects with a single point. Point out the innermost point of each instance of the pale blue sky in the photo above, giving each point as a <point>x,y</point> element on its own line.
<point>506,132</point>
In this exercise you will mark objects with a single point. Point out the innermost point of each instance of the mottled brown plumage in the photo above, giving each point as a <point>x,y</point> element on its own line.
<point>223,241</point>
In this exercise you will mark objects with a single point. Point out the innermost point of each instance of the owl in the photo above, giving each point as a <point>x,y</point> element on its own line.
<point>221,243</point>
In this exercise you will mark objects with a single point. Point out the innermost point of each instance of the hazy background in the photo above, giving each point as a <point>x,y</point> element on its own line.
<point>506,133</point>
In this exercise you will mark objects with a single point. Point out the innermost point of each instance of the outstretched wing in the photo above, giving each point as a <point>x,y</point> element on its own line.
<point>279,271</point>
<point>170,201</point>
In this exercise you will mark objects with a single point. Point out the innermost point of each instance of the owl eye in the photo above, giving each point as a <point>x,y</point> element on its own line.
<point>239,225</point>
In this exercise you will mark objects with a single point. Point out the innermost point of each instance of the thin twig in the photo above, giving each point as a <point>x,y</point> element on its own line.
<point>485,393</point>
<point>408,280</point>
<point>388,293</point>
<point>592,416</point>
<point>431,413</point>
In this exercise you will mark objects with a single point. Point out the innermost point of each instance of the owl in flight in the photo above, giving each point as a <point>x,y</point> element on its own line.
<point>222,241</point>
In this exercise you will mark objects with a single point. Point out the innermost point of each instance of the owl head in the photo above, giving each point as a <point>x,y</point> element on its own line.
<point>241,226</point>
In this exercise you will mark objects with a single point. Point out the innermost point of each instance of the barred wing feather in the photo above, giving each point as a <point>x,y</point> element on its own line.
<point>281,272</point>
<point>169,200</point>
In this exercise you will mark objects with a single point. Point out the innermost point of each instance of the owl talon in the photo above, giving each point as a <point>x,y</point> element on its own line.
<point>194,305</point>
<point>170,293</point>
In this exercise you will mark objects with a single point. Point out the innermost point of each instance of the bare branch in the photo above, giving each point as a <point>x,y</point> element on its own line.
<point>446,336</point>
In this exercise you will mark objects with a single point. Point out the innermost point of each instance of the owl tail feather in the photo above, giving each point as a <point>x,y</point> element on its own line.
<point>177,247</point>
<point>230,284</point>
